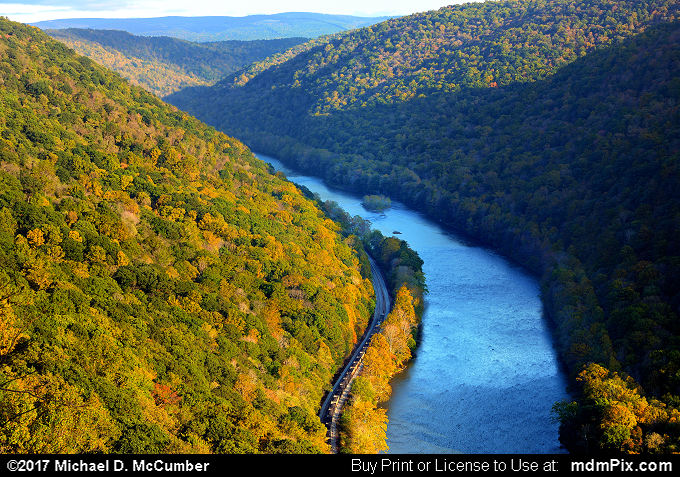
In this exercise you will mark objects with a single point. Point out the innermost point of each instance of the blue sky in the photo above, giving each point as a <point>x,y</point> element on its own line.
<point>37,10</point>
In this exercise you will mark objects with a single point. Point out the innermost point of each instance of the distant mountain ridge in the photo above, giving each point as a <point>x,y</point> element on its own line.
<point>216,28</point>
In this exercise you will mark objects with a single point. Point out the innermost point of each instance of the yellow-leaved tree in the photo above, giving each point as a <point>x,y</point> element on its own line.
<point>364,424</point>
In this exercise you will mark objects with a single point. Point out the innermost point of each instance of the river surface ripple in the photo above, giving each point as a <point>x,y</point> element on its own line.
<point>486,374</point>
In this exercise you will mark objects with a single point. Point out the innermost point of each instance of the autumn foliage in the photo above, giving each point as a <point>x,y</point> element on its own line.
<point>163,65</point>
<point>160,290</point>
<point>364,423</point>
<point>616,416</point>
<point>546,130</point>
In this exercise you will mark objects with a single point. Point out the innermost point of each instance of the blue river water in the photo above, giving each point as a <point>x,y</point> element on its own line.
<point>486,374</point>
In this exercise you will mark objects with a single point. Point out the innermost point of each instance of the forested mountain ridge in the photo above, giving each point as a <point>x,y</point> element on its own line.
<point>219,28</point>
<point>570,170</point>
<point>164,65</point>
<point>160,291</point>
<point>479,45</point>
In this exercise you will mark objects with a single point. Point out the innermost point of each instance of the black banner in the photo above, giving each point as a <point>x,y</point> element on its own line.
<point>384,464</point>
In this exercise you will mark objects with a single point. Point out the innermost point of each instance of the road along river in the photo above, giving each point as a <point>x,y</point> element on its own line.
<point>485,375</point>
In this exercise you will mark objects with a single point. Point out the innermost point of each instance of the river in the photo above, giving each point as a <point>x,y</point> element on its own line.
<point>486,374</point>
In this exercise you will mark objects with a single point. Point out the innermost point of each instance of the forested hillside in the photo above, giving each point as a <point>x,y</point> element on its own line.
<point>546,129</point>
<point>160,291</point>
<point>477,45</point>
<point>164,65</point>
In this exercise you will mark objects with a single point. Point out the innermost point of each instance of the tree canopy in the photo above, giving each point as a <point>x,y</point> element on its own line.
<point>160,290</point>
<point>164,65</point>
<point>546,129</point>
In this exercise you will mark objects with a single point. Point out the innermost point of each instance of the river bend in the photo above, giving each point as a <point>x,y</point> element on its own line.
<point>486,374</point>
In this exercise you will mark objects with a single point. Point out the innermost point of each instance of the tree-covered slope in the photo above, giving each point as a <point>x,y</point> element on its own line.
<point>219,28</point>
<point>160,291</point>
<point>164,65</point>
<point>478,45</point>
<point>547,129</point>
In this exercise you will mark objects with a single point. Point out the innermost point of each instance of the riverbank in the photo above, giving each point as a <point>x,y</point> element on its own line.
<point>392,336</point>
<point>486,374</point>
<point>364,420</point>
<point>334,401</point>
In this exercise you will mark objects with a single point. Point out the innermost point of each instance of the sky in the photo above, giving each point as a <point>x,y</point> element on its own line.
<point>27,11</point>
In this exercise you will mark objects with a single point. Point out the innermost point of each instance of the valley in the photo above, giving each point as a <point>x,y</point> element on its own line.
<point>518,164</point>
<point>560,152</point>
<point>485,360</point>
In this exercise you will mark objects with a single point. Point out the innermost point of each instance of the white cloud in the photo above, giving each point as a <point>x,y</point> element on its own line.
<point>55,9</point>
<point>24,13</point>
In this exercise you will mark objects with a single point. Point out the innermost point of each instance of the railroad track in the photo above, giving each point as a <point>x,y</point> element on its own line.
<point>335,399</point>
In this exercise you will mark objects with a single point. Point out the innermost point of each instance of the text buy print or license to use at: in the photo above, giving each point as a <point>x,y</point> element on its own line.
<point>532,463</point>
<point>450,465</point>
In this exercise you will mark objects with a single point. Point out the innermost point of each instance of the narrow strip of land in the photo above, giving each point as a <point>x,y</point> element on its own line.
<point>332,405</point>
